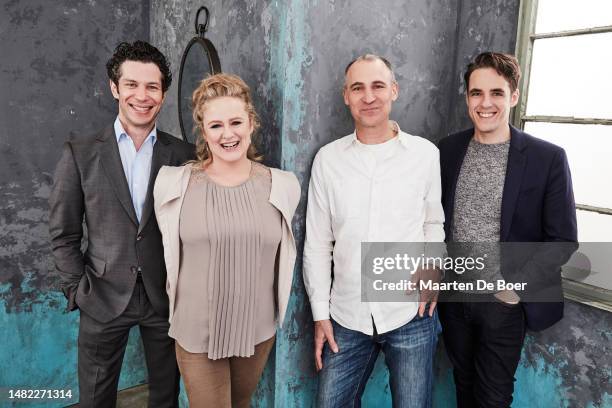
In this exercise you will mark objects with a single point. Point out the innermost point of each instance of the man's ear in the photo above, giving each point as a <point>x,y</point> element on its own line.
<point>394,91</point>
<point>345,95</point>
<point>114,89</point>
<point>514,98</point>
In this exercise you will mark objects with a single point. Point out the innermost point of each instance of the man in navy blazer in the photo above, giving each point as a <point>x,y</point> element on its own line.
<point>500,184</point>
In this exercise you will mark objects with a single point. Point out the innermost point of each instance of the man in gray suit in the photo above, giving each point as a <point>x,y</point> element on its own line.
<point>106,180</point>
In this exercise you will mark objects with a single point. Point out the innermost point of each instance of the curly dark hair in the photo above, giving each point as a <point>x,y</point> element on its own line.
<point>138,51</point>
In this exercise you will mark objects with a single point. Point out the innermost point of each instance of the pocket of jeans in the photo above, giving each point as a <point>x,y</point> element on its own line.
<point>341,335</point>
<point>435,317</point>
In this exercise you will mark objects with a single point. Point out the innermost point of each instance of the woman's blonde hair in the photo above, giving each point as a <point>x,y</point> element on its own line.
<point>216,86</point>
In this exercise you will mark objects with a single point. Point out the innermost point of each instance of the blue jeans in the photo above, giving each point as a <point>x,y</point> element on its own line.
<point>409,351</point>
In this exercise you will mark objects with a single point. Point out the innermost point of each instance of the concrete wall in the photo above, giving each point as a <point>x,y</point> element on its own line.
<point>52,84</point>
<point>242,34</point>
<point>481,26</point>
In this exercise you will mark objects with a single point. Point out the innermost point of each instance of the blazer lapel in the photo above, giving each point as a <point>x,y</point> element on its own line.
<point>161,156</point>
<point>514,178</point>
<point>111,162</point>
<point>282,196</point>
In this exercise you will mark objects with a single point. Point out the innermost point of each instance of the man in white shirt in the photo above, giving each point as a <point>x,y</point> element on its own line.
<point>376,184</point>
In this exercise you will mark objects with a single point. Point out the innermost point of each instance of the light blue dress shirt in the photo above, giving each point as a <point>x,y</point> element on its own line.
<point>136,164</point>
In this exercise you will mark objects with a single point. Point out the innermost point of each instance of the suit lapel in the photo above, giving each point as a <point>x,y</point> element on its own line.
<point>514,177</point>
<point>161,156</point>
<point>111,162</point>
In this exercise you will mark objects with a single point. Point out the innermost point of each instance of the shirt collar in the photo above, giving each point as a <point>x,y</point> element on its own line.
<point>403,137</point>
<point>120,132</point>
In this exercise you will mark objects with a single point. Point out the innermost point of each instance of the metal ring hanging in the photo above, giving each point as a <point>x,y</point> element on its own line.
<point>200,29</point>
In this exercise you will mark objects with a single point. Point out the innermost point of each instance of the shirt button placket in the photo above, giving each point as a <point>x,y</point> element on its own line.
<point>374,207</point>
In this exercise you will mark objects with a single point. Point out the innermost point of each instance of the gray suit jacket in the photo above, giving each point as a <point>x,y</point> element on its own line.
<point>90,185</point>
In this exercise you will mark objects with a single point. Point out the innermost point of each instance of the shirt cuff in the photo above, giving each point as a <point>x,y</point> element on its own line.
<point>320,310</point>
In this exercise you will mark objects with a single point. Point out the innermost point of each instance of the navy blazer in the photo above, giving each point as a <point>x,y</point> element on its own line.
<point>537,202</point>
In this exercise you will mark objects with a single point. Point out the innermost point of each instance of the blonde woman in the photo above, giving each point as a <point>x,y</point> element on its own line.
<point>228,247</point>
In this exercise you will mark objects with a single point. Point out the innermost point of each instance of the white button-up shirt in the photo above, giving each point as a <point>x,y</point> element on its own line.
<point>354,197</point>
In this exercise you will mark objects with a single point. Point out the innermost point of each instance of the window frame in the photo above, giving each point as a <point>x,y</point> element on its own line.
<point>526,37</point>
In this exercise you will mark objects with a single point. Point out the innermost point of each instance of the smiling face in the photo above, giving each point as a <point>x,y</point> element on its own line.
<point>139,93</point>
<point>227,129</point>
<point>489,100</point>
<point>369,91</point>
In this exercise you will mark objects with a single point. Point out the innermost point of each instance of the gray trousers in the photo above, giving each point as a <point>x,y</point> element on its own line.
<point>101,350</point>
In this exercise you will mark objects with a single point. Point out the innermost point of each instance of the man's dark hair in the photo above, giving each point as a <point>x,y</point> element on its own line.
<point>140,51</point>
<point>505,65</point>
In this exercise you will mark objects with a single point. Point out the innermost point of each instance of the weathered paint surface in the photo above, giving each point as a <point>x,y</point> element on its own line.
<point>481,26</point>
<point>570,362</point>
<point>241,33</point>
<point>295,380</point>
<point>39,351</point>
<point>52,84</point>
<point>292,54</point>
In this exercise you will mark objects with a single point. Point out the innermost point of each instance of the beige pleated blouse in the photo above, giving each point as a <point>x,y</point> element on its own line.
<point>225,299</point>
